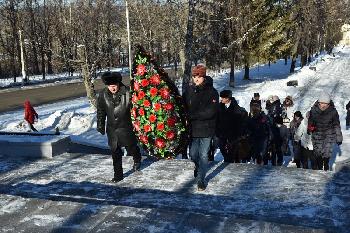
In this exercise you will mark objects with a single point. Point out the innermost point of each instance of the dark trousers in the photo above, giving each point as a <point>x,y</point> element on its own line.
<point>304,158</point>
<point>117,156</point>
<point>348,118</point>
<point>32,127</point>
<point>320,163</point>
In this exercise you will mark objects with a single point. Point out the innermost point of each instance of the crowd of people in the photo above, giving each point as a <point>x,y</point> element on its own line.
<point>263,135</point>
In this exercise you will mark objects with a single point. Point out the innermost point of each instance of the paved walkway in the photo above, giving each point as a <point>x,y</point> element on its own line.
<point>72,193</point>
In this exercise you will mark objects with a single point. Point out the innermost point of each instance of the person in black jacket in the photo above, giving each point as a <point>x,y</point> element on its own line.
<point>259,134</point>
<point>231,126</point>
<point>348,116</point>
<point>255,100</point>
<point>201,100</point>
<point>325,128</point>
<point>113,103</point>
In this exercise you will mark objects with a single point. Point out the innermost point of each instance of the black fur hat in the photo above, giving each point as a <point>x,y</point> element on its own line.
<point>111,78</point>
<point>226,94</point>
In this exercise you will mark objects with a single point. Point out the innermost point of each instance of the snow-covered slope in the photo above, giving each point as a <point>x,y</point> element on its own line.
<point>332,75</point>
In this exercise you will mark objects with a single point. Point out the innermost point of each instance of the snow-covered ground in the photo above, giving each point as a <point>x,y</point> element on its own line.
<point>77,118</point>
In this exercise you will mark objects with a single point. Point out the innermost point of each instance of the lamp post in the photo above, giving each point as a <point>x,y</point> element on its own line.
<point>129,37</point>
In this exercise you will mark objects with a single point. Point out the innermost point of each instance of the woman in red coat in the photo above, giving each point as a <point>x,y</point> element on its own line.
<point>30,115</point>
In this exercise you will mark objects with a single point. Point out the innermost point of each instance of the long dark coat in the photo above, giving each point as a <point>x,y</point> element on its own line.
<point>202,105</point>
<point>231,121</point>
<point>326,129</point>
<point>116,107</point>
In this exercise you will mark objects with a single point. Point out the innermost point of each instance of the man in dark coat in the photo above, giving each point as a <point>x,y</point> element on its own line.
<point>259,133</point>
<point>348,116</point>
<point>325,128</point>
<point>255,100</point>
<point>231,126</point>
<point>114,103</point>
<point>201,100</point>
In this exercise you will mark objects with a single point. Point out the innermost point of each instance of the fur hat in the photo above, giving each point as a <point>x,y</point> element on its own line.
<point>298,114</point>
<point>199,70</point>
<point>111,78</point>
<point>289,98</point>
<point>324,98</point>
<point>256,95</point>
<point>226,94</point>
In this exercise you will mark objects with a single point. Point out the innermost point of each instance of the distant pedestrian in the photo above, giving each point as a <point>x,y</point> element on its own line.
<point>255,100</point>
<point>259,133</point>
<point>306,144</point>
<point>325,128</point>
<point>287,110</point>
<point>294,125</point>
<point>348,116</point>
<point>30,115</point>
<point>114,104</point>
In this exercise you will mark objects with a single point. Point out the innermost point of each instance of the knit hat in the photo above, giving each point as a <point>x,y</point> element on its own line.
<point>226,94</point>
<point>324,98</point>
<point>199,70</point>
<point>256,95</point>
<point>111,78</point>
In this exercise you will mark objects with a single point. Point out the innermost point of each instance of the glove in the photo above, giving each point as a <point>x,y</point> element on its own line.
<point>339,143</point>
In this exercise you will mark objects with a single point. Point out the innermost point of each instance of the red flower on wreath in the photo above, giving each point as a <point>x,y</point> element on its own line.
<point>133,112</point>
<point>153,91</point>
<point>160,126</point>
<point>171,121</point>
<point>144,82</point>
<point>164,93</point>
<point>141,112</point>
<point>152,118</point>
<point>157,107</point>
<point>146,103</point>
<point>141,95</point>
<point>144,139</point>
<point>141,70</point>
<point>160,143</point>
<point>169,106</point>
<point>170,135</point>
<point>137,125</point>
<point>147,128</point>
<point>155,79</point>
<point>134,98</point>
<point>136,86</point>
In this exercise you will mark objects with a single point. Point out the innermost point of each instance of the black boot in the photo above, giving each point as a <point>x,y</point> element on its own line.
<point>117,178</point>
<point>136,167</point>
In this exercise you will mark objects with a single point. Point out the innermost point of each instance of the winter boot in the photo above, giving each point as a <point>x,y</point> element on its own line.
<point>136,167</point>
<point>201,186</point>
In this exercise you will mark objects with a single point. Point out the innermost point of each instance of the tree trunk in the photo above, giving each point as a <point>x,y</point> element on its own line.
<point>246,72</point>
<point>303,60</point>
<point>49,61</point>
<point>232,71</point>
<point>87,77</point>
<point>43,70</point>
<point>188,45</point>
<point>292,65</point>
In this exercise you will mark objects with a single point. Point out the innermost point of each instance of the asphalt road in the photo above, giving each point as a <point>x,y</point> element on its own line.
<point>13,99</point>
